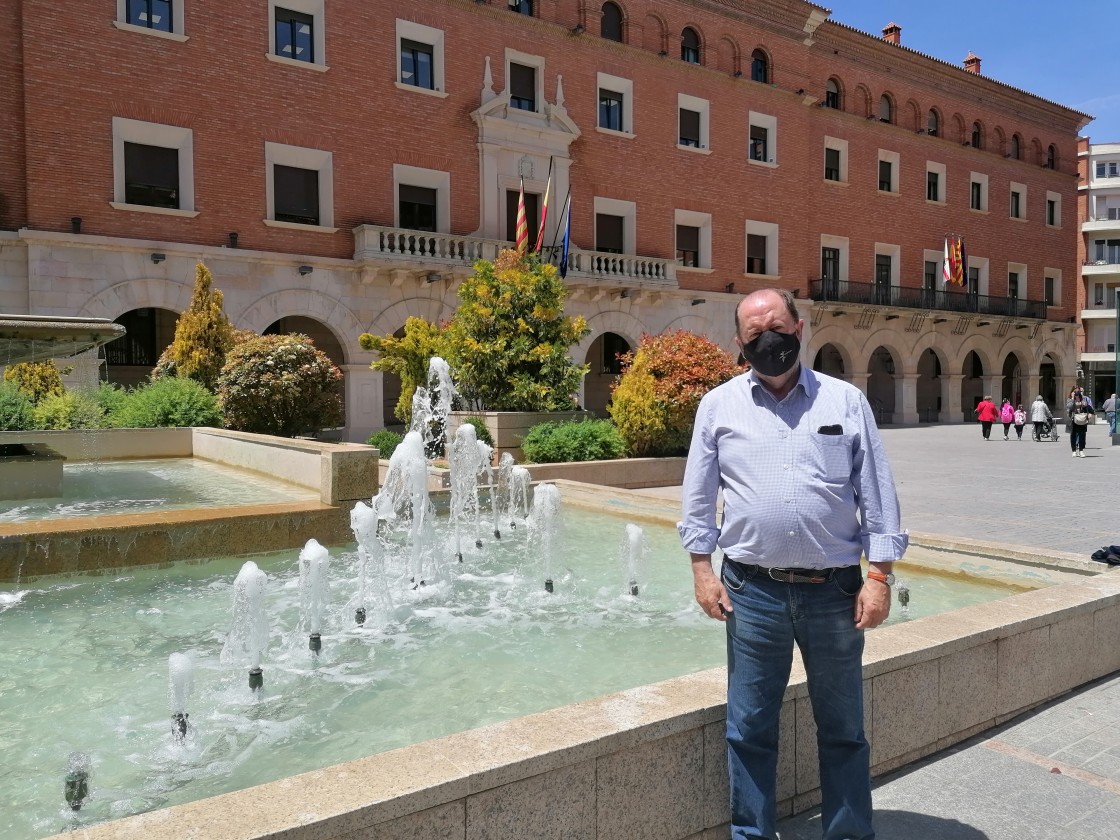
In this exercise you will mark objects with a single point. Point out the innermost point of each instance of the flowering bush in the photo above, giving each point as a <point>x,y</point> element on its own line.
<point>654,401</point>
<point>37,380</point>
<point>280,385</point>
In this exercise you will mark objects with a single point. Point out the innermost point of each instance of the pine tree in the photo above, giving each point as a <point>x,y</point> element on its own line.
<point>203,334</point>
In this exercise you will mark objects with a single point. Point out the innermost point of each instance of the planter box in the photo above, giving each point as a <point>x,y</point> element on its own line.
<point>508,428</point>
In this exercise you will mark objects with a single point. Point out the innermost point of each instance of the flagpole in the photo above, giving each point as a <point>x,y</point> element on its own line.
<point>544,207</point>
<point>567,209</point>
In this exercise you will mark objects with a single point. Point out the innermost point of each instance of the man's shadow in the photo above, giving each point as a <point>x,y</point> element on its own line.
<point>890,825</point>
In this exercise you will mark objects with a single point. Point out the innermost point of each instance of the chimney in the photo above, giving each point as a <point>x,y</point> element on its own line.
<point>892,33</point>
<point>972,63</point>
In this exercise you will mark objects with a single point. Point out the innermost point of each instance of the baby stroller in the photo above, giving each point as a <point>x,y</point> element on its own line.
<point>1048,431</point>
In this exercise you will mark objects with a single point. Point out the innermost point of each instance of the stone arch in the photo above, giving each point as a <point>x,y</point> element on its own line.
<point>840,339</point>
<point>883,363</point>
<point>977,344</point>
<point>831,360</point>
<point>655,34</point>
<point>621,323</point>
<point>145,293</point>
<point>728,55</point>
<point>764,54</point>
<point>838,83</point>
<point>623,22</point>
<point>1013,371</point>
<point>701,42</point>
<point>392,318</point>
<point>977,135</point>
<point>862,96</point>
<point>1036,149</point>
<point>888,108</point>
<point>322,334</point>
<point>958,128</point>
<point>1016,151</point>
<point>935,123</point>
<point>595,389</point>
<point>999,141</point>
<point>930,363</point>
<point>696,324</point>
<point>309,303</point>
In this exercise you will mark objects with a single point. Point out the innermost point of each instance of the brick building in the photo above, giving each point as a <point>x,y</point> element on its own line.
<point>339,165</point>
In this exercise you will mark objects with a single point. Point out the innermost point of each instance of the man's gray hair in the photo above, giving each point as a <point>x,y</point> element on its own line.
<point>787,298</point>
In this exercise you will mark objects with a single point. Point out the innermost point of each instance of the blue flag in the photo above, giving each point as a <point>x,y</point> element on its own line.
<point>567,240</point>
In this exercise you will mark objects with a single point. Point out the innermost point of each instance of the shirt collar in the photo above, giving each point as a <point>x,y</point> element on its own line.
<point>806,381</point>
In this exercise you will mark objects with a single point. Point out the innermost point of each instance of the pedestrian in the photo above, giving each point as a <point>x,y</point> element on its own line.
<point>1040,416</point>
<point>1079,416</point>
<point>806,490</point>
<point>1020,421</point>
<point>1110,413</point>
<point>986,413</point>
<point>1007,417</point>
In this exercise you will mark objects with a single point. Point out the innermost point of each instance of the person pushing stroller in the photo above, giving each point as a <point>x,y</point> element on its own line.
<point>1042,418</point>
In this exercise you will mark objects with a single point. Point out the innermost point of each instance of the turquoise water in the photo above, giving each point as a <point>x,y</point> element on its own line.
<point>99,489</point>
<point>84,661</point>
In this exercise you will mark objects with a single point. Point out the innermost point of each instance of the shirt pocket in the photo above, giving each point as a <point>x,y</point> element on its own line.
<point>830,457</point>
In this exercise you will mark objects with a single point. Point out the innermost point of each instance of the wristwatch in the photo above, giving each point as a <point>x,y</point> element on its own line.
<point>875,574</point>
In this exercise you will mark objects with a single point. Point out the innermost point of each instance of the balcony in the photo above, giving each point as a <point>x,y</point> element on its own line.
<point>1100,224</point>
<point>426,250</point>
<point>904,297</point>
<point>1093,268</point>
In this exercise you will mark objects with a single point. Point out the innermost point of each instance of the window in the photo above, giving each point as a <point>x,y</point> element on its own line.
<point>760,67</point>
<point>1013,284</point>
<point>835,159</point>
<point>688,245</point>
<point>693,238</point>
<point>888,171</point>
<point>763,133</point>
<point>886,109</point>
<point>1016,147</point>
<point>832,164</point>
<point>296,33</point>
<point>1112,168</point>
<point>153,168</point>
<point>151,14</point>
<point>615,225</point>
<point>423,198</point>
<point>299,187</point>
<point>834,264</point>
<point>416,208</point>
<point>532,216</point>
<point>1018,202</point>
<point>420,57</point>
<point>690,46</point>
<point>614,346</point>
<point>977,138</point>
<point>1052,286</point>
<point>417,64</point>
<point>832,94</point>
<point>610,22</point>
<point>830,264</point>
<point>522,87</point>
<point>297,195</point>
<point>521,7</point>
<point>1051,157</point>
<point>762,248</point>
<point>609,236</point>
<point>883,279</point>
<point>973,282</point>
<point>689,128</point>
<point>1015,198</point>
<point>1048,290</point>
<point>692,121</point>
<point>610,110</point>
<point>933,123</point>
<point>1107,250</point>
<point>615,103</point>
<point>978,192</point>
<point>929,278</point>
<point>758,143</point>
<point>1053,209</point>
<point>933,186</point>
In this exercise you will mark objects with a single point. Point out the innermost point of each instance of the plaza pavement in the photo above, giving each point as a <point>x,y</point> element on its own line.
<point>1050,774</point>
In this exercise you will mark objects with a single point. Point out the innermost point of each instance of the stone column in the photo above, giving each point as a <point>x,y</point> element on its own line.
<point>364,411</point>
<point>906,398</point>
<point>1032,384</point>
<point>951,409</point>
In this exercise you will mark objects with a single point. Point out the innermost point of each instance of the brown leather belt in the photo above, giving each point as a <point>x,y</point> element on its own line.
<point>790,575</point>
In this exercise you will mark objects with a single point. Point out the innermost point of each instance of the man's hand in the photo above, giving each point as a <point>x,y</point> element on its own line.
<point>873,604</point>
<point>710,592</point>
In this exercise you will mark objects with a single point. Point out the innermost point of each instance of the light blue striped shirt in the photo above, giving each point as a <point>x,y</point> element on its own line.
<point>792,496</point>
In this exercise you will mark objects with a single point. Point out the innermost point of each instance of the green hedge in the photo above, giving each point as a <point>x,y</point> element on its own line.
<point>15,409</point>
<point>581,440</point>
<point>169,401</point>
<point>385,441</point>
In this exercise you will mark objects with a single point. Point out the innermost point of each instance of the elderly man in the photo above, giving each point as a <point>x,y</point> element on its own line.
<point>807,490</point>
<point>1110,413</point>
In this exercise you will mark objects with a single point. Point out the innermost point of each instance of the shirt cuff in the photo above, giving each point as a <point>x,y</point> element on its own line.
<point>885,548</point>
<point>698,540</point>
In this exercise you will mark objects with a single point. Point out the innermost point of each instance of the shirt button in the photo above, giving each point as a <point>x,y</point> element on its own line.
<point>793,533</point>
<point>785,466</point>
<point>789,501</point>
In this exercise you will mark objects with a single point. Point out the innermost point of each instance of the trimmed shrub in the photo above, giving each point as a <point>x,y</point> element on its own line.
<point>111,398</point>
<point>280,385</point>
<point>654,401</point>
<point>580,440</point>
<point>203,335</point>
<point>37,380</point>
<point>481,430</point>
<point>408,357</point>
<point>385,441</point>
<point>171,401</point>
<point>15,409</point>
<point>70,410</point>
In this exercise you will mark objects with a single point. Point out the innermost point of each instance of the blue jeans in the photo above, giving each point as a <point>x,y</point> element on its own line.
<point>768,618</point>
<point>1111,417</point>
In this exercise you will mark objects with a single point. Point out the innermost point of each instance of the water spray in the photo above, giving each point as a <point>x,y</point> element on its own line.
<point>248,637</point>
<point>180,672</point>
<point>76,788</point>
<point>313,560</point>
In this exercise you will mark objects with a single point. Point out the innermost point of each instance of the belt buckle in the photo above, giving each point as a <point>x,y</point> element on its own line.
<point>788,576</point>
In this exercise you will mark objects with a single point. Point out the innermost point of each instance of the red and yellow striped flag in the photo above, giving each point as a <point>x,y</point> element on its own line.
<point>522,226</point>
<point>544,208</point>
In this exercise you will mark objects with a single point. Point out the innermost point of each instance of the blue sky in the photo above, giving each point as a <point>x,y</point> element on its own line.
<point>1059,51</point>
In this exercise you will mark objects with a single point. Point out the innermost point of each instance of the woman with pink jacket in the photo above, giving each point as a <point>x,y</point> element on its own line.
<point>1007,417</point>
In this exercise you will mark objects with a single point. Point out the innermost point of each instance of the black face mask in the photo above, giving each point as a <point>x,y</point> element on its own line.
<point>773,353</point>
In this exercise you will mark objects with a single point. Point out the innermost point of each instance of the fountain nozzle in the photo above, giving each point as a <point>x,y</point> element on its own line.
<point>360,615</point>
<point>256,679</point>
<point>179,726</point>
<point>77,780</point>
<point>478,543</point>
<point>904,596</point>
<point>315,643</point>
<point>497,534</point>
<point>634,588</point>
<point>548,585</point>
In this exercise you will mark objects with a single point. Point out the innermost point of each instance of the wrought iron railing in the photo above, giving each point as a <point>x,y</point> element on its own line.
<point>905,297</point>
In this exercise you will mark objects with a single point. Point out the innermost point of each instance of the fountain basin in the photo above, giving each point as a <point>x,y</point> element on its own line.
<point>30,471</point>
<point>36,338</point>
